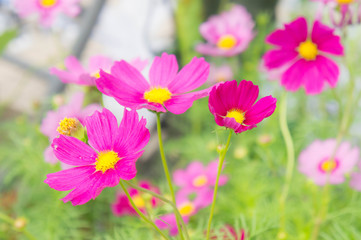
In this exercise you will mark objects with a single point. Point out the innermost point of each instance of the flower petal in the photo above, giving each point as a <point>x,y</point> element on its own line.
<point>102,128</point>
<point>279,57</point>
<point>68,179</point>
<point>262,109</point>
<point>291,36</point>
<point>192,76</point>
<point>163,70</point>
<point>72,151</point>
<point>325,39</point>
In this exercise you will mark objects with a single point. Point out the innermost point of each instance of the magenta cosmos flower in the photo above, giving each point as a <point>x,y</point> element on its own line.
<point>167,89</point>
<point>234,106</point>
<point>186,207</point>
<point>65,120</point>
<point>122,206</point>
<point>47,9</point>
<point>316,163</point>
<point>110,157</point>
<point>305,55</point>
<point>220,74</point>
<point>227,34</point>
<point>196,176</point>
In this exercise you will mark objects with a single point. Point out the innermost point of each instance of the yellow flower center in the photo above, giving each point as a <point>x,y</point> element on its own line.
<point>138,201</point>
<point>200,181</point>
<point>236,114</point>
<point>186,209</point>
<point>226,42</point>
<point>48,3</point>
<point>341,2</point>
<point>157,95</point>
<point>106,160</point>
<point>329,165</point>
<point>96,75</point>
<point>67,126</point>
<point>308,50</point>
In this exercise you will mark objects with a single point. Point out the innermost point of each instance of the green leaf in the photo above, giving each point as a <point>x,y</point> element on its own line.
<point>6,37</point>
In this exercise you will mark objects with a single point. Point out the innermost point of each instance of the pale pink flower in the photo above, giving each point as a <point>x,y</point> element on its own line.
<point>228,33</point>
<point>220,74</point>
<point>196,176</point>
<point>47,10</point>
<point>316,161</point>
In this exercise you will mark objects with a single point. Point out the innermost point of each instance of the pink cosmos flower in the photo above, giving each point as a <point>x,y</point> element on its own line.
<point>316,163</point>
<point>341,12</point>
<point>220,74</point>
<point>229,233</point>
<point>186,207</point>
<point>167,88</point>
<point>355,182</point>
<point>228,34</point>
<point>110,157</point>
<point>74,113</point>
<point>77,74</point>
<point>304,55</point>
<point>234,106</point>
<point>122,206</point>
<point>196,176</point>
<point>47,9</point>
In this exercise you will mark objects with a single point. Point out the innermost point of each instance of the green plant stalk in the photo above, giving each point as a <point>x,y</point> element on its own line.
<point>11,221</point>
<point>290,159</point>
<point>164,200</point>
<point>166,171</point>
<point>139,212</point>
<point>344,126</point>
<point>222,155</point>
<point>325,199</point>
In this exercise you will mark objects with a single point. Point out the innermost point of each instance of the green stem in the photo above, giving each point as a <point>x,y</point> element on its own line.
<point>290,159</point>
<point>222,155</point>
<point>323,211</point>
<point>164,200</point>
<point>166,171</point>
<point>139,212</point>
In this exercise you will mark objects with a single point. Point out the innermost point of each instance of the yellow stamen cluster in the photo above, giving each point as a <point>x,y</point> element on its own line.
<point>138,201</point>
<point>106,161</point>
<point>48,3</point>
<point>308,50</point>
<point>226,42</point>
<point>186,209</point>
<point>157,95</point>
<point>200,181</point>
<point>237,114</point>
<point>67,126</point>
<point>342,2</point>
<point>96,75</point>
<point>329,165</point>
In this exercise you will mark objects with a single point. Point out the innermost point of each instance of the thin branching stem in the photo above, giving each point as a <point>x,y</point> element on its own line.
<point>166,171</point>
<point>140,213</point>
<point>290,160</point>
<point>222,155</point>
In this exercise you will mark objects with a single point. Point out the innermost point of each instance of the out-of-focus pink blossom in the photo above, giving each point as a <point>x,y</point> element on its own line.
<point>47,10</point>
<point>220,74</point>
<point>317,162</point>
<point>228,33</point>
<point>122,206</point>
